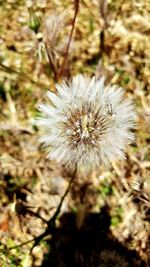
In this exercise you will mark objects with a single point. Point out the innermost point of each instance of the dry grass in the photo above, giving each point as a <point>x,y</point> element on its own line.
<point>114,40</point>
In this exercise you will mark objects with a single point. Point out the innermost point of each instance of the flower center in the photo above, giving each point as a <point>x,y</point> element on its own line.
<point>86,127</point>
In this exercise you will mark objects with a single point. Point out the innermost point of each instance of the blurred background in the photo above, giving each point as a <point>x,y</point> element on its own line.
<point>105,218</point>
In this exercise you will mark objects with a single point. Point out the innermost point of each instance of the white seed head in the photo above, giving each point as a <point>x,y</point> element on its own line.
<point>54,24</point>
<point>87,124</point>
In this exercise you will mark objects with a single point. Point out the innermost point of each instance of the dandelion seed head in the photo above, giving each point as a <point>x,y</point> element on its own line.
<point>87,123</point>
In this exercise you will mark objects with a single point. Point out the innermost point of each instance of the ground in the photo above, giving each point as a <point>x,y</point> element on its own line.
<point>105,217</point>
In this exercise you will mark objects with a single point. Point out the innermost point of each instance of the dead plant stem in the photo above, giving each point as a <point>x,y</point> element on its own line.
<point>62,69</point>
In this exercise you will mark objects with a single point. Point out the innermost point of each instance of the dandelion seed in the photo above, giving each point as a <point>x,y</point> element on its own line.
<point>88,124</point>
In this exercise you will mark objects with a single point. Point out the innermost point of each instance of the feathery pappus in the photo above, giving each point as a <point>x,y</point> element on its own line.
<point>87,123</point>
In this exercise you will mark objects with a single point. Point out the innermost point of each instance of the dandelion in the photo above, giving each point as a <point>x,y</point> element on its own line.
<point>87,124</point>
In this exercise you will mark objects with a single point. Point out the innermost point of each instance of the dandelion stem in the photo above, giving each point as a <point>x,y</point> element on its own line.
<point>51,223</point>
<point>53,219</point>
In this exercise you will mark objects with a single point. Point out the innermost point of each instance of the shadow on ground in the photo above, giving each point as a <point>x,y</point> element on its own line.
<point>91,246</point>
